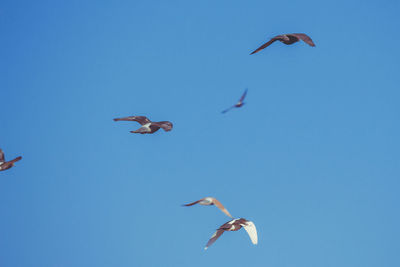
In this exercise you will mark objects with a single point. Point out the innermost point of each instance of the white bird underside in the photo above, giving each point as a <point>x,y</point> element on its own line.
<point>147,126</point>
<point>206,201</point>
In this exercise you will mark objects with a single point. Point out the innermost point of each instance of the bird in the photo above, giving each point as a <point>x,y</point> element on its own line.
<point>148,127</point>
<point>235,225</point>
<point>288,39</point>
<point>4,165</point>
<point>209,201</point>
<point>238,104</point>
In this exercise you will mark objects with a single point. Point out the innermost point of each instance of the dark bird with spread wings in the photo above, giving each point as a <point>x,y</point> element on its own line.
<point>235,225</point>
<point>148,126</point>
<point>4,165</point>
<point>238,104</point>
<point>287,39</point>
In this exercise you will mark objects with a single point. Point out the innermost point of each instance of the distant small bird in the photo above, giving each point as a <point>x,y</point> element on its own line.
<point>148,126</point>
<point>4,165</point>
<point>235,225</point>
<point>238,104</point>
<point>208,201</point>
<point>288,39</point>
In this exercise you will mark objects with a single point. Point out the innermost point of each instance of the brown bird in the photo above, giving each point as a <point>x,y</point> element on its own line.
<point>4,165</point>
<point>235,225</point>
<point>238,104</point>
<point>208,201</point>
<point>148,126</point>
<point>288,39</point>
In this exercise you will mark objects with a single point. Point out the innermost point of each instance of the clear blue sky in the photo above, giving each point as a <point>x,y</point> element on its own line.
<point>312,158</point>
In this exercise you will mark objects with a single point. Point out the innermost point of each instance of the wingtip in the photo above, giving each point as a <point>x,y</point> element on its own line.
<point>227,213</point>
<point>16,159</point>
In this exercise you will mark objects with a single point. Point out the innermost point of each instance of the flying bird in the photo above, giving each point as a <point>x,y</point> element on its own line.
<point>4,165</point>
<point>238,104</point>
<point>235,225</point>
<point>208,201</point>
<point>288,39</point>
<point>148,126</point>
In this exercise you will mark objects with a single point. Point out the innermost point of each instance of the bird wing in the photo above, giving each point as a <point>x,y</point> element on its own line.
<point>307,39</point>
<point>166,125</point>
<point>243,96</point>
<point>214,238</point>
<point>226,110</point>
<point>16,159</point>
<point>140,119</point>
<point>221,207</point>
<point>251,231</point>
<point>2,156</point>
<point>265,45</point>
<point>193,203</point>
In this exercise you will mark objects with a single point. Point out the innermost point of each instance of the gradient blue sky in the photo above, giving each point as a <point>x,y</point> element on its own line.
<point>312,158</point>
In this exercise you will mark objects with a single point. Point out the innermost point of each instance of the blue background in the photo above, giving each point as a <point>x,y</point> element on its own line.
<point>312,158</point>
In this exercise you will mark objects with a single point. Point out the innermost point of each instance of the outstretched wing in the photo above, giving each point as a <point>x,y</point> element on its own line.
<point>166,125</point>
<point>226,110</point>
<point>16,159</point>
<point>193,203</point>
<point>140,119</point>
<point>214,238</point>
<point>251,231</point>
<point>221,207</point>
<point>243,96</point>
<point>2,156</point>
<point>265,45</point>
<point>307,39</point>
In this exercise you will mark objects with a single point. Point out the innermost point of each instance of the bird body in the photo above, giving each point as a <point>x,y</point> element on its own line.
<point>239,104</point>
<point>5,165</point>
<point>209,201</point>
<point>148,126</point>
<point>235,225</point>
<point>287,39</point>
<point>206,201</point>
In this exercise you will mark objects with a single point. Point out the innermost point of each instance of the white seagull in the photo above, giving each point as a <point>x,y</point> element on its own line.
<point>209,201</point>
